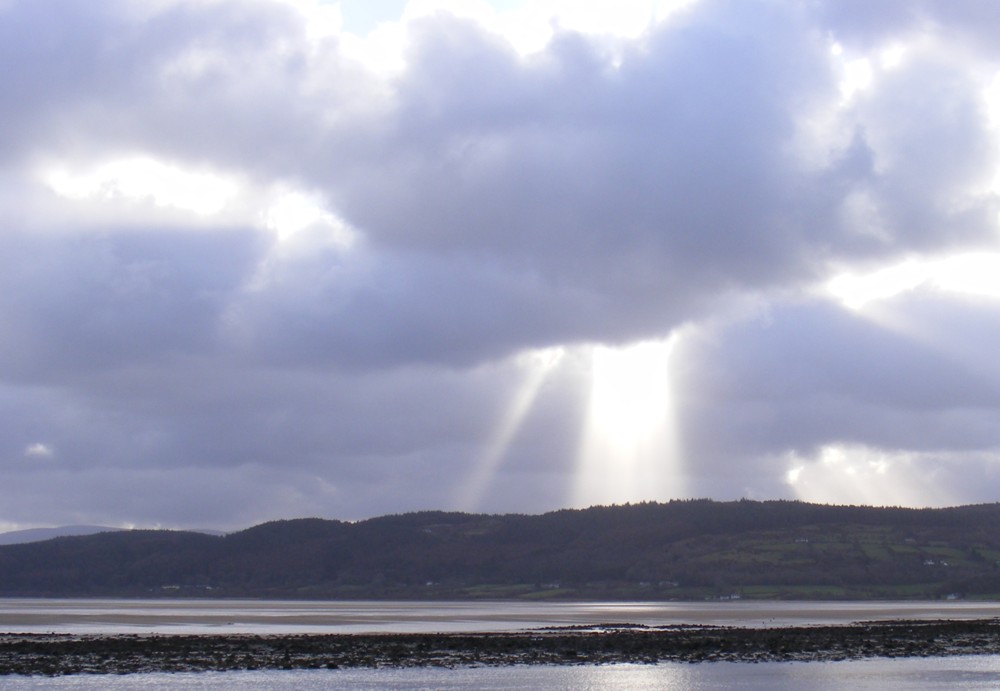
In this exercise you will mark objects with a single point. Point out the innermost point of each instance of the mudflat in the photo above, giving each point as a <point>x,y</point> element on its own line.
<point>59,654</point>
<point>215,616</point>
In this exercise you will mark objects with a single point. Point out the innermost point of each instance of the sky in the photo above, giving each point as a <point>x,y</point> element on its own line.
<point>263,259</point>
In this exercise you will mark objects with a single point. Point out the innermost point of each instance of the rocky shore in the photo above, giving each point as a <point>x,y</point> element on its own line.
<point>59,654</point>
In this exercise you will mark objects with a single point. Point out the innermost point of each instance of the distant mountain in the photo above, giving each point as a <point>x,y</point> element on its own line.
<point>678,550</point>
<point>18,537</point>
<point>15,537</point>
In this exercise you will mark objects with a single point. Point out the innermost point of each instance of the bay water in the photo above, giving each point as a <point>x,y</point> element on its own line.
<point>269,617</point>
<point>960,673</point>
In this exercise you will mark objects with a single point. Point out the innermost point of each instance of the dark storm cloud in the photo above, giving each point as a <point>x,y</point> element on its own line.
<point>92,301</point>
<point>173,369</point>
<point>653,186</point>
<point>633,198</point>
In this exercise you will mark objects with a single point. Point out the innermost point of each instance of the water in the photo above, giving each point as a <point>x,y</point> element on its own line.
<point>288,617</point>
<point>268,617</point>
<point>959,673</point>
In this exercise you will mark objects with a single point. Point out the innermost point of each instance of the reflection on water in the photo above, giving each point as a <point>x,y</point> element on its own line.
<point>254,616</point>
<point>225,616</point>
<point>959,673</point>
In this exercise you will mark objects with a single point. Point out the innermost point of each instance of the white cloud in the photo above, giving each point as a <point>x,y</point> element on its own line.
<point>292,211</point>
<point>973,274</point>
<point>144,179</point>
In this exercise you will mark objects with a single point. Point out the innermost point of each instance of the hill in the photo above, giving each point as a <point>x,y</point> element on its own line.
<point>677,550</point>
<point>15,537</point>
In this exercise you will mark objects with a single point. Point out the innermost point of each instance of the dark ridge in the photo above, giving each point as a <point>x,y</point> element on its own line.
<point>678,550</point>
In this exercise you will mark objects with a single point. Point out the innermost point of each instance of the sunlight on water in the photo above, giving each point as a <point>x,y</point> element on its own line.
<point>289,617</point>
<point>177,616</point>
<point>882,674</point>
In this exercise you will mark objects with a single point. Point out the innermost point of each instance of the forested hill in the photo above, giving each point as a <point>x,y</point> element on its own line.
<point>681,549</point>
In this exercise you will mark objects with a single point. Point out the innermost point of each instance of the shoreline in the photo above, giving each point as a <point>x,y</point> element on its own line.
<point>62,654</point>
<point>265,617</point>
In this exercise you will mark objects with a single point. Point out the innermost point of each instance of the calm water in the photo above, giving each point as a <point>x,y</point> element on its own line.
<point>223,616</point>
<point>255,616</point>
<point>958,673</point>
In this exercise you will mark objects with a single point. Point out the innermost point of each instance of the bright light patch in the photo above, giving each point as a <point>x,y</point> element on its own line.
<point>323,20</point>
<point>526,26</point>
<point>629,393</point>
<point>858,72</point>
<point>892,57</point>
<point>971,274</point>
<point>857,290</point>
<point>859,474</point>
<point>382,51</point>
<point>39,450</point>
<point>857,75</point>
<point>147,180</point>
<point>629,448</point>
<point>530,26</point>
<point>477,10</point>
<point>991,96</point>
<point>537,365</point>
<point>292,211</point>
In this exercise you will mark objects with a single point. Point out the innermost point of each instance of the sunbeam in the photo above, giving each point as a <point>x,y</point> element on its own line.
<point>629,448</point>
<point>888,299</point>
<point>859,474</point>
<point>539,365</point>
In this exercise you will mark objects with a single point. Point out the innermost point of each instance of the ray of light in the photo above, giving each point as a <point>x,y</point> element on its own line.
<point>860,474</point>
<point>973,277</point>
<point>539,364</point>
<point>629,449</point>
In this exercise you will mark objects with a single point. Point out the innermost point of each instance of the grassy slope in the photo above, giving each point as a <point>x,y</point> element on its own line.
<point>679,550</point>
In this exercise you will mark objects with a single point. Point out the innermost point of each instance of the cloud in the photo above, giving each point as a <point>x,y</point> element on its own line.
<point>237,252</point>
<point>644,190</point>
<point>39,450</point>
<point>968,22</point>
<point>798,386</point>
<point>91,300</point>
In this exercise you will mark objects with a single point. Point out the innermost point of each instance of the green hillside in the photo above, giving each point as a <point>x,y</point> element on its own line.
<point>678,550</point>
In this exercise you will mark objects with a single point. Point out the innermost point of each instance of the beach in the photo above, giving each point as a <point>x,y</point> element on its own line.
<point>62,654</point>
